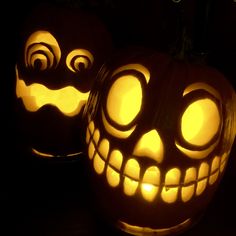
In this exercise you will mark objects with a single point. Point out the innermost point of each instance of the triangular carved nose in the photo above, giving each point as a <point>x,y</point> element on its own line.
<point>150,145</point>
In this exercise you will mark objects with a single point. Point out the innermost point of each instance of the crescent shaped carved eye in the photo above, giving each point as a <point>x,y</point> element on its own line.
<point>42,51</point>
<point>79,59</point>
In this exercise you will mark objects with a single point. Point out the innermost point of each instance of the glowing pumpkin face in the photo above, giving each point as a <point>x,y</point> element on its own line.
<point>60,55</point>
<point>159,134</point>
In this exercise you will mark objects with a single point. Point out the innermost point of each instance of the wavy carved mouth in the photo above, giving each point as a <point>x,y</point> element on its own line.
<point>68,100</point>
<point>173,185</point>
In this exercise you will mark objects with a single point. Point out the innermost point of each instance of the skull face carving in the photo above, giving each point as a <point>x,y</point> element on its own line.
<point>61,52</point>
<point>159,133</point>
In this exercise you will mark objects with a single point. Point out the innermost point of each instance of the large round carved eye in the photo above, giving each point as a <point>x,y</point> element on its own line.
<point>124,99</point>
<point>42,51</point>
<point>200,122</point>
<point>79,59</point>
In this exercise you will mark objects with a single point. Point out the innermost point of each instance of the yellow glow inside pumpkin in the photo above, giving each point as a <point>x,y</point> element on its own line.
<point>41,45</point>
<point>215,170</point>
<point>68,100</point>
<point>99,164</point>
<point>104,148</point>
<point>131,180</point>
<point>150,145</point>
<point>113,177</point>
<point>200,122</point>
<point>116,159</point>
<point>77,57</point>
<point>204,86</point>
<point>202,176</point>
<point>187,191</point>
<point>196,154</point>
<point>130,186</point>
<point>141,231</point>
<point>171,185</point>
<point>137,67</point>
<point>169,193</point>
<point>124,99</point>
<point>43,59</point>
<point>132,169</point>
<point>115,132</point>
<point>150,183</point>
<point>48,155</point>
<point>115,162</point>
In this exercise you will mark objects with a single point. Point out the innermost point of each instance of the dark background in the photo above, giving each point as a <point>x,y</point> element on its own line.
<point>40,198</point>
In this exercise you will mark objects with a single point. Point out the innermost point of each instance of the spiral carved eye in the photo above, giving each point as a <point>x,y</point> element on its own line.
<point>42,51</point>
<point>79,59</point>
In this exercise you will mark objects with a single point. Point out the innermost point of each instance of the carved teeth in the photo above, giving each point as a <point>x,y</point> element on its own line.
<point>103,148</point>
<point>130,186</point>
<point>113,177</point>
<point>131,180</point>
<point>150,183</point>
<point>187,191</point>
<point>96,136</point>
<point>214,170</point>
<point>132,169</point>
<point>116,159</point>
<point>98,164</point>
<point>169,194</point>
<point>172,177</point>
<point>202,176</point>
<point>223,161</point>
<point>91,150</point>
<point>150,186</point>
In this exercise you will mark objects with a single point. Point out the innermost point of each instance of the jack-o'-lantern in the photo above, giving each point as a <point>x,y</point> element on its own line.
<point>159,133</point>
<point>60,53</point>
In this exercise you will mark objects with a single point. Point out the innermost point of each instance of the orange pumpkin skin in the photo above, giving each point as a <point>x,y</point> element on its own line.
<point>60,51</point>
<point>125,168</point>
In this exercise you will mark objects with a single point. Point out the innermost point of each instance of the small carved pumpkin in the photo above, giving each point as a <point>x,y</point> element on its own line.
<point>61,52</point>
<point>159,133</point>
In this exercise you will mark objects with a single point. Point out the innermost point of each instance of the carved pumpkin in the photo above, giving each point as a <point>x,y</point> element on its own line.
<point>60,54</point>
<point>159,133</point>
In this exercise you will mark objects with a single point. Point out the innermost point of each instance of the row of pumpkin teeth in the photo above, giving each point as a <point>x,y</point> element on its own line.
<point>150,184</point>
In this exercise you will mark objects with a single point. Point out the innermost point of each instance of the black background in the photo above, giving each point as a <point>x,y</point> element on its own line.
<point>42,198</point>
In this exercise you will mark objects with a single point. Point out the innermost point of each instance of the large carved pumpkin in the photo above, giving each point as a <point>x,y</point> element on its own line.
<point>60,53</point>
<point>159,134</point>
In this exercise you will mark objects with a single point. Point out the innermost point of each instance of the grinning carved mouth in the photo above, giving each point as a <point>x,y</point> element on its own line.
<point>169,187</point>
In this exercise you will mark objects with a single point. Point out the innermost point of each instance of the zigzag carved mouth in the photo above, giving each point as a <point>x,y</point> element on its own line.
<point>173,185</point>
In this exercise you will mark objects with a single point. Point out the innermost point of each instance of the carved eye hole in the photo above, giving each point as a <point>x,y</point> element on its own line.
<point>79,59</point>
<point>124,100</point>
<point>42,51</point>
<point>200,122</point>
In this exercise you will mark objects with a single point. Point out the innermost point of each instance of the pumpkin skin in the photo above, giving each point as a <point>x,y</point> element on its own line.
<point>148,173</point>
<point>60,52</point>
